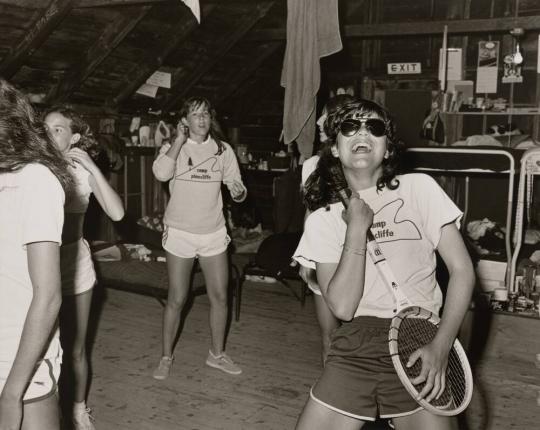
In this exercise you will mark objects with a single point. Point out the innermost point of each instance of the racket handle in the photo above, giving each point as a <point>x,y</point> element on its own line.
<point>344,196</point>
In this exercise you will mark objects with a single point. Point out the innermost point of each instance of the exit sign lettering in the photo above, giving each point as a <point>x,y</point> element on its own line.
<point>404,68</point>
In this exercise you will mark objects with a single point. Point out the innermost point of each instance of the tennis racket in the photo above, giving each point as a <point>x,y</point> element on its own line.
<point>413,327</point>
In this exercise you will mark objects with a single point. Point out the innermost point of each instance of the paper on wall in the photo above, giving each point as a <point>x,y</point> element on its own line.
<point>488,62</point>
<point>538,54</point>
<point>454,70</point>
<point>148,90</point>
<point>160,79</point>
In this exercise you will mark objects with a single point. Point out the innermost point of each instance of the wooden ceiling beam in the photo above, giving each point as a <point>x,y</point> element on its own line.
<point>492,25</point>
<point>228,41</point>
<point>263,52</point>
<point>147,66</point>
<point>115,32</point>
<point>82,4</point>
<point>40,30</point>
<point>109,3</point>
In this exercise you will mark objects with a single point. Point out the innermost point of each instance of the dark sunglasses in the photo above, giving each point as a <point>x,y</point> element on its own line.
<point>375,126</point>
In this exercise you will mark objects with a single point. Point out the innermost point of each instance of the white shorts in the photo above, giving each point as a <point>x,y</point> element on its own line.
<point>314,288</point>
<point>77,268</point>
<point>44,382</point>
<point>188,245</point>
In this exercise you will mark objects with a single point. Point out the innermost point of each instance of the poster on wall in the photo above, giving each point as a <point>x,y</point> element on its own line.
<point>454,69</point>
<point>488,62</point>
<point>511,70</point>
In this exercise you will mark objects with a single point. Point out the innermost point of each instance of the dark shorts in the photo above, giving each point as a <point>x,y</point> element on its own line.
<point>359,379</point>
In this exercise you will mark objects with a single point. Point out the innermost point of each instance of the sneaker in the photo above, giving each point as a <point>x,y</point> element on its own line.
<point>223,362</point>
<point>164,368</point>
<point>83,420</point>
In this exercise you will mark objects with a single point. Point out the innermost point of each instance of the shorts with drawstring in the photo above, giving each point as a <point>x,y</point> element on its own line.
<point>77,268</point>
<point>44,382</point>
<point>189,245</point>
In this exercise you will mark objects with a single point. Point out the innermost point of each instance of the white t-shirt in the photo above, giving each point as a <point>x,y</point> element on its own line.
<point>308,168</point>
<point>196,204</point>
<point>407,224</point>
<point>31,210</point>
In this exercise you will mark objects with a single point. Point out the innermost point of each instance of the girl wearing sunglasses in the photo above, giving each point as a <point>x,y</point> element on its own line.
<point>411,217</point>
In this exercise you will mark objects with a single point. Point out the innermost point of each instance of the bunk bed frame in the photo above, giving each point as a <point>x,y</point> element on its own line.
<point>530,166</point>
<point>479,161</point>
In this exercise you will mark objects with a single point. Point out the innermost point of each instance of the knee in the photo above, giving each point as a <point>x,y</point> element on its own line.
<point>218,298</point>
<point>176,304</point>
<point>78,352</point>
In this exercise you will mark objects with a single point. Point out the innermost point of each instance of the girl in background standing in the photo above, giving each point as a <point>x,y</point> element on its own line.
<point>75,140</point>
<point>196,164</point>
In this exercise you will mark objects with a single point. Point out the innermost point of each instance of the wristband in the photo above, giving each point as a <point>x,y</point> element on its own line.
<point>355,251</point>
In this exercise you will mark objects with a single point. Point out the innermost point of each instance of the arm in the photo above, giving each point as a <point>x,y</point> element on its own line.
<point>232,177</point>
<point>44,269</point>
<point>165,162</point>
<point>107,197</point>
<point>342,284</point>
<point>435,355</point>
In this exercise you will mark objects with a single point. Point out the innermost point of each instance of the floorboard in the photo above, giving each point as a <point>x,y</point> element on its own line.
<point>276,342</point>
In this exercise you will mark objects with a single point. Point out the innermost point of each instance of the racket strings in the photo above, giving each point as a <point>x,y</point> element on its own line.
<point>414,333</point>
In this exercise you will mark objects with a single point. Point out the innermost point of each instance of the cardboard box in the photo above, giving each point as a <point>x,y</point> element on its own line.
<point>490,274</point>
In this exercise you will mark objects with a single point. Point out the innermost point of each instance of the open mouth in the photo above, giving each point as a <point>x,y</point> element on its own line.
<point>361,147</point>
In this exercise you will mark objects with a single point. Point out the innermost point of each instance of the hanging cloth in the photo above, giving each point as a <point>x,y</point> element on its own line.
<point>195,8</point>
<point>312,33</point>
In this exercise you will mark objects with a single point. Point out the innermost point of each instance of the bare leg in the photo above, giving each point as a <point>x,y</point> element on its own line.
<point>42,415</point>
<point>425,420</point>
<point>327,322</point>
<point>179,271</point>
<point>318,417</point>
<point>74,316</point>
<point>216,276</point>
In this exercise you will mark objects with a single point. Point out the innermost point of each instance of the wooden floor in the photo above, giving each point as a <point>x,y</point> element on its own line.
<point>276,342</point>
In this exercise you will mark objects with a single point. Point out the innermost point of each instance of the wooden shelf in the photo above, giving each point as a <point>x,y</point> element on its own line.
<point>453,123</point>
<point>505,113</point>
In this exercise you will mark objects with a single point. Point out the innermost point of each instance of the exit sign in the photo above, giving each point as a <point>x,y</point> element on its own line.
<point>404,68</point>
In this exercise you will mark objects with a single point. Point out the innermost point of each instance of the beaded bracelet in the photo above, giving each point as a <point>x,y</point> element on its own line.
<point>355,251</point>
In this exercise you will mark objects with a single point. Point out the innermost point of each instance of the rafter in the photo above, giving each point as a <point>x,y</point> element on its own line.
<point>115,32</point>
<point>263,52</point>
<point>40,30</point>
<point>150,65</point>
<point>249,20</point>
<point>494,25</point>
<point>39,4</point>
<point>108,3</point>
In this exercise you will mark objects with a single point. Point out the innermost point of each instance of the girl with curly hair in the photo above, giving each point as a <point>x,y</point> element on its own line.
<point>74,138</point>
<point>411,217</point>
<point>33,177</point>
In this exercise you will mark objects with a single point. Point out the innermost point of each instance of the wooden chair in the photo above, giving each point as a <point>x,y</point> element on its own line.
<point>273,259</point>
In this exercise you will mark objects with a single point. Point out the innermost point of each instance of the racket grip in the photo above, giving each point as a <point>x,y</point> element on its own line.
<point>344,197</point>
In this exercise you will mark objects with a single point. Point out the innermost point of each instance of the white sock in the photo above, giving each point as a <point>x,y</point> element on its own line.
<point>79,407</point>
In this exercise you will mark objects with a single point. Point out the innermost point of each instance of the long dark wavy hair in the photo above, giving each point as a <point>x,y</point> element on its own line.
<point>320,190</point>
<point>24,139</point>
<point>87,142</point>
<point>194,103</point>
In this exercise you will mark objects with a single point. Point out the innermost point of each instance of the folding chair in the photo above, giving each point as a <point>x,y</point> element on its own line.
<point>273,259</point>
